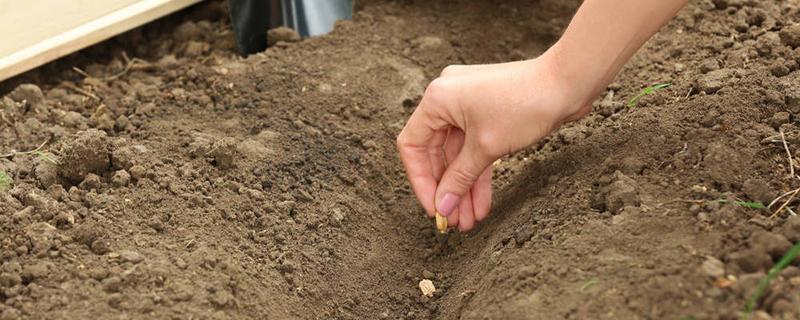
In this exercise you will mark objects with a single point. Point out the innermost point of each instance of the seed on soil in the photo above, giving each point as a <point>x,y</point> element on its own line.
<point>427,288</point>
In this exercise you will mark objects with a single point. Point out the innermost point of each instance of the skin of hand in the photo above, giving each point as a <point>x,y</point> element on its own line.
<point>472,115</point>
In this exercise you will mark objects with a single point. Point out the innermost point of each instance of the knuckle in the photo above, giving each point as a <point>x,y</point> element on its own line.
<point>463,177</point>
<point>438,88</point>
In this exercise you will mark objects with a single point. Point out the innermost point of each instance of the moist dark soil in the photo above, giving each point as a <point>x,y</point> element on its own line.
<point>196,184</point>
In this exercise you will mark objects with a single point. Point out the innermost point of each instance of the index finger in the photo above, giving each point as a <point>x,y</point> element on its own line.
<point>422,134</point>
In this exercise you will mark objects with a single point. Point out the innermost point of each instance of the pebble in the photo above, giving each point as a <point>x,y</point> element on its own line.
<point>100,246</point>
<point>130,256</point>
<point>713,267</point>
<point>523,234</point>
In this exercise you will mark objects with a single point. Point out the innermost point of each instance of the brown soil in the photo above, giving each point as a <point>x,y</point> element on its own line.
<point>204,185</point>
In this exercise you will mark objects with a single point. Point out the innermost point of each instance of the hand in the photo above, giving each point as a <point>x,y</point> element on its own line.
<point>471,116</point>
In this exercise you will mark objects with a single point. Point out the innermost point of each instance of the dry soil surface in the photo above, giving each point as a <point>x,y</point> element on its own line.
<point>195,184</point>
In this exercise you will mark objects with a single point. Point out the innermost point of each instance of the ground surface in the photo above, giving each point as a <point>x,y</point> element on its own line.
<point>202,185</point>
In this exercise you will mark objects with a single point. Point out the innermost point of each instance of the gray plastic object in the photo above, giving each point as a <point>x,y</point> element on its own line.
<point>252,18</point>
<point>315,17</point>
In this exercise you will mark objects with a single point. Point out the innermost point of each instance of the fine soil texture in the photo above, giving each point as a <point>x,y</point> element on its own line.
<point>181,181</point>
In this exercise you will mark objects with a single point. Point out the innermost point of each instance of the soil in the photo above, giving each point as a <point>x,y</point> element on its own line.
<point>201,185</point>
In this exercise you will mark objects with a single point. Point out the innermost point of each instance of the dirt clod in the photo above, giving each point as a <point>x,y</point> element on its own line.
<point>224,152</point>
<point>773,244</point>
<point>751,260</point>
<point>791,229</point>
<point>130,256</point>
<point>621,191</point>
<point>758,190</point>
<point>712,81</point>
<point>790,35</point>
<point>30,93</point>
<point>91,182</point>
<point>85,152</point>
<point>283,34</point>
<point>121,178</point>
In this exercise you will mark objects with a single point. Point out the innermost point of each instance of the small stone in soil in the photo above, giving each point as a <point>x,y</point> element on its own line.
<point>713,267</point>
<point>130,256</point>
<point>100,246</point>
<point>523,234</point>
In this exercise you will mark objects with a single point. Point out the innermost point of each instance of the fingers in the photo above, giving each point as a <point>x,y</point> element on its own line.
<point>459,177</point>
<point>482,195</point>
<point>464,215</point>
<point>415,144</point>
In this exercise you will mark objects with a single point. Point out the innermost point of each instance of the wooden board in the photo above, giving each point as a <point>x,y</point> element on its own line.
<point>34,32</point>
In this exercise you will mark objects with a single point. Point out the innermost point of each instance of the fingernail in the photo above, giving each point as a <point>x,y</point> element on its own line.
<point>448,203</point>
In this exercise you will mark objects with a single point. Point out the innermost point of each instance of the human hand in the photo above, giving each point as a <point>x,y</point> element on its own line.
<point>471,116</point>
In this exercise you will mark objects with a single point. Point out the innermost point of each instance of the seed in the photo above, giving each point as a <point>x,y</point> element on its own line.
<point>441,223</point>
<point>427,288</point>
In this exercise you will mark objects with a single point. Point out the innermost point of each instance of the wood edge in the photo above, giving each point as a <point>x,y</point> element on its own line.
<point>88,34</point>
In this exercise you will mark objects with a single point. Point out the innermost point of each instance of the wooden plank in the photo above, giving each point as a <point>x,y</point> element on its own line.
<point>35,32</point>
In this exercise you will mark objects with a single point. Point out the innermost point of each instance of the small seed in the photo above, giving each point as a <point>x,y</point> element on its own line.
<point>441,223</point>
<point>427,288</point>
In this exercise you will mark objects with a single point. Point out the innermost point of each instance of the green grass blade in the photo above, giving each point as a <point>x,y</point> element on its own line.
<point>589,284</point>
<point>646,91</point>
<point>765,281</point>
<point>746,204</point>
<point>47,158</point>
<point>5,181</point>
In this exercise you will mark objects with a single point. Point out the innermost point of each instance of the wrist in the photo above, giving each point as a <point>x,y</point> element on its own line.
<point>578,81</point>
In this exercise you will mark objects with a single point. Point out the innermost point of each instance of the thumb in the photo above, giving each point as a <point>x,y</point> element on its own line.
<point>459,177</point>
